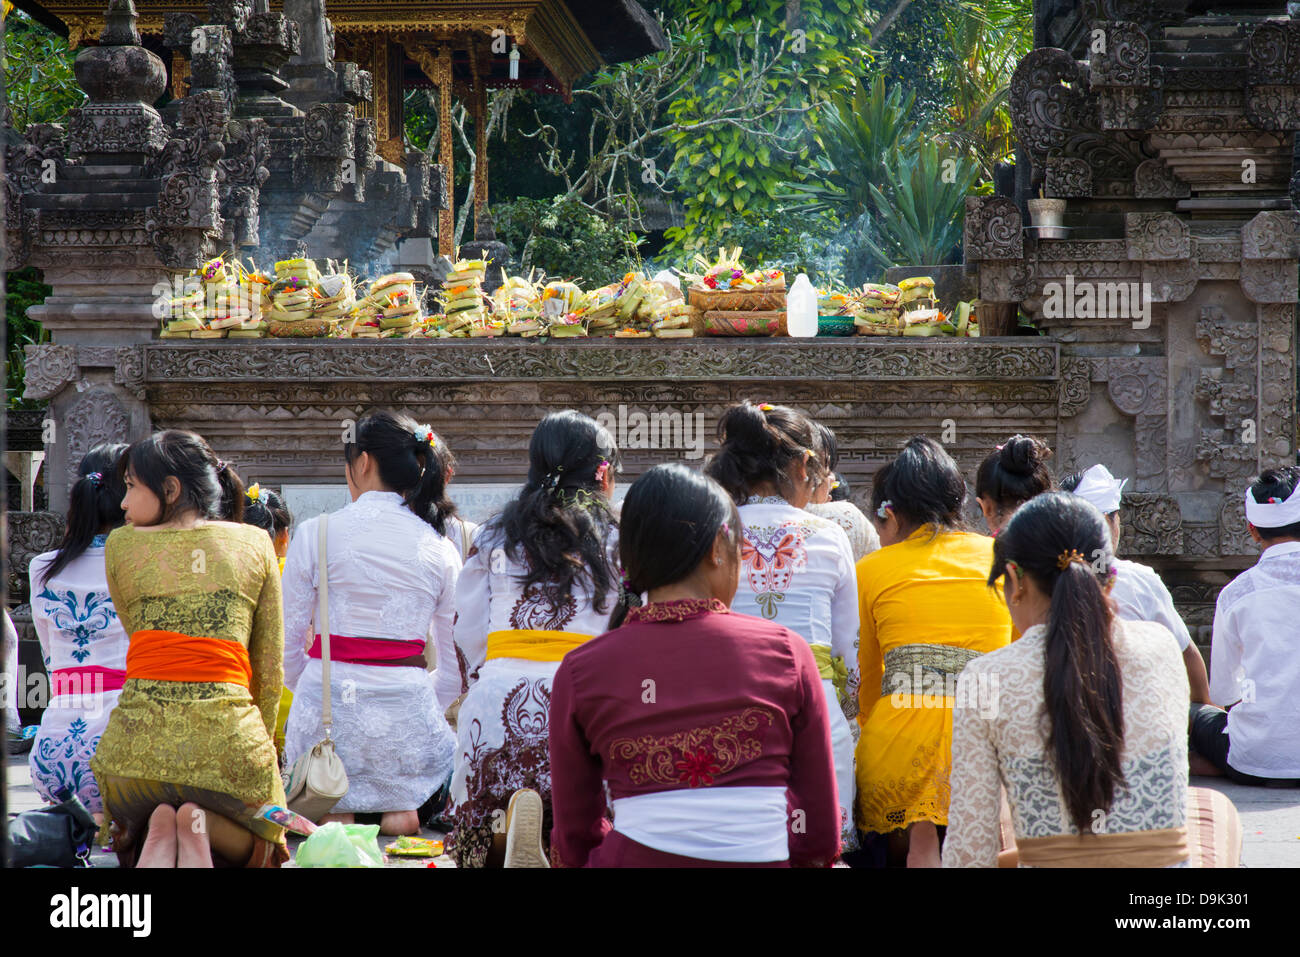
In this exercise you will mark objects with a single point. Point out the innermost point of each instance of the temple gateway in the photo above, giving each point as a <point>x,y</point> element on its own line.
<point>1165,282</point>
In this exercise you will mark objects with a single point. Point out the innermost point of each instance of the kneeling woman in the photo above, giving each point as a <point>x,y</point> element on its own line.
<point>391,581</point>
<point>709,727</point>
<point>540,581</point>
<point>1083,720</point>
<point>187,756</point>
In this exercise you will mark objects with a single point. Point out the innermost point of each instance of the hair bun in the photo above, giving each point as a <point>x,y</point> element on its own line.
<point>1023,455</point>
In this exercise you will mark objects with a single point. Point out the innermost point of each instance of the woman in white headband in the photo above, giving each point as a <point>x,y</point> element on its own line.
<point>1139,594</point>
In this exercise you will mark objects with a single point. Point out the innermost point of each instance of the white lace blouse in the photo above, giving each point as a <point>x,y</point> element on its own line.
<point>999,739</point>
<point>390,576</point>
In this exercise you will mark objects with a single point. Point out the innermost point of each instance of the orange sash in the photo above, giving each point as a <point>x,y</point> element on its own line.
<point>171,656</point>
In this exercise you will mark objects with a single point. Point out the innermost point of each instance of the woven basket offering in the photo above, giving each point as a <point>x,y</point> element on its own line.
<point>744,323</point>
<point>757,299</point>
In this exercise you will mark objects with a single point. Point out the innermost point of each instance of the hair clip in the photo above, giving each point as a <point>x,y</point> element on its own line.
<point>766,407</point>
<point>424,433</point>
<point>884,506</point>
<point>602,470</point>
<point>1065,558</point>
<point>254,492</point>
<point>221,466</point>
<point>96,478</point>
<point>1000,447</point>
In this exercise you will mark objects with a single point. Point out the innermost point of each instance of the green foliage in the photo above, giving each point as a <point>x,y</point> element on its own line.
<point>566,239</point>
<point>23,288</point>
<point>39,83</point>
<point>919,213</point>
<point>722,170</point>
<point>986,42</point>
<point>862,132</point>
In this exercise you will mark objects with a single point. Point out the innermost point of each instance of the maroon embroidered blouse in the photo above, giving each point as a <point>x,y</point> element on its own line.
<point>688,694</point>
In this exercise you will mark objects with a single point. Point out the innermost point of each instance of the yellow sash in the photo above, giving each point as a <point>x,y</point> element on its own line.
<point>533,645</point>
<point>831,668</point>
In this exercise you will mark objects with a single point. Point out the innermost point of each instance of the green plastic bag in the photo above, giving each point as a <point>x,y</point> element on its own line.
<point>341,845</point>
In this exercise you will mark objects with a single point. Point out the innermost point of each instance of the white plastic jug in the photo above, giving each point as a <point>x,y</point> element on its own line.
<point>801,309</point>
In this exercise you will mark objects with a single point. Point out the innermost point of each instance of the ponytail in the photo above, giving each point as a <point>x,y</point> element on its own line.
<point>1083,694</point>
<point>429,498</point>
<point>231,506</point>
<point>95,503</point>
<point>1061,543</point>
<point>412,460</point>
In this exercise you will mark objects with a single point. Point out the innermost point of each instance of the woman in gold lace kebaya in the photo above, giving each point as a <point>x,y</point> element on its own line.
<point>186,762</point>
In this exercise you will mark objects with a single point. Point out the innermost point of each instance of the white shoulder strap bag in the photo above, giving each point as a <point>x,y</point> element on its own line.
<point>317,781</point>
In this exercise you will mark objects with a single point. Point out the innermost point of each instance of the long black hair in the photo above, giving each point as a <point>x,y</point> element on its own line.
<point>94,504</point>
<point>923,486</point>
<point>208,485</point>
<point>268,512</point>
<point>558,525</point>
<point>670,519</point>
<point>412,460</point>
<point>1279,484</point>
<point>1013,474</point>
<point>759,444</point>
<point>1061,543</point>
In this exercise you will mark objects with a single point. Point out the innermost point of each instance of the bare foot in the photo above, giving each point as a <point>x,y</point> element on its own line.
<point>399,822</point>
<point>160,843</point>
<point>192,847</point>
<point>338,819</point>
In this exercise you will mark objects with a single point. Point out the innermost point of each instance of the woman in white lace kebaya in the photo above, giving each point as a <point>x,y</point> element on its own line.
<point>541,580</point>
<point>392,587</point>
<point>796,568</point>
<point>1083,720</point>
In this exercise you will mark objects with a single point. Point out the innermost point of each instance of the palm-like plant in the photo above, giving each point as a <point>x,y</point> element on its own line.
<point>859,134</point>
<point>987,39</point>
<point>919,213</point>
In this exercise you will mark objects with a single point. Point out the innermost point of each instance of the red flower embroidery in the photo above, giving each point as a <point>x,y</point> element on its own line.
<point>697,769</point>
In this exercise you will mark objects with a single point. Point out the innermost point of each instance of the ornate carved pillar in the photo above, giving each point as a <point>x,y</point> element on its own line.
<point>480,141</point>
<point>446,158</point>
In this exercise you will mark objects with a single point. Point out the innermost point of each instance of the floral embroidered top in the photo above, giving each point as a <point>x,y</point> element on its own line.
<point>489,598</point>
<point>688,695</point>
<point>73,614</point>
<point>797,569</point>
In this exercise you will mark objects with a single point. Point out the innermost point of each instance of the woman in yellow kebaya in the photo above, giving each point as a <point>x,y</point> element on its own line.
<point>926,609</point>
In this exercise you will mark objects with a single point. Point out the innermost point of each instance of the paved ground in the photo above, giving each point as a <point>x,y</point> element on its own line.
<point>1270,820</point>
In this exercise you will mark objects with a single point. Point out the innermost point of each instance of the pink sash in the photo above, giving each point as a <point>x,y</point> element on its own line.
<point>88,679</point>
<point>368,651</point>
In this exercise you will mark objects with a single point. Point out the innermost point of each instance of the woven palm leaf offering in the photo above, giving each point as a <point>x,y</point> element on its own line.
<point>875,309</point>
<point>724,285</point>
<point>564,307</point>
<point>463,301</point>
<point>518,306</point>
<point>292,312</point>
